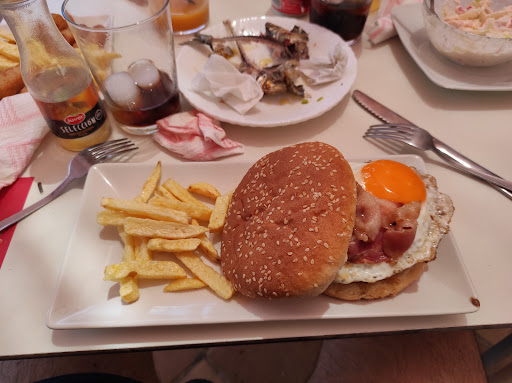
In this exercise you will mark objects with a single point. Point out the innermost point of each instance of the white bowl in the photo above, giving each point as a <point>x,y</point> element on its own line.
<point>460,46</point>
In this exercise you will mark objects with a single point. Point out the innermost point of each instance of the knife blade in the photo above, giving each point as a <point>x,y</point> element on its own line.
<point>380,111</point>
<point>385,114</point>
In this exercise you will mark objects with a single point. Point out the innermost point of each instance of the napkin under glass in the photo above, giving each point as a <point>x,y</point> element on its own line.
<point>22,128</point>
<point>195,136</point>
<point>220,78</point>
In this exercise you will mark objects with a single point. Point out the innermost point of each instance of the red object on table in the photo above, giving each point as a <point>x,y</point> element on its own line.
<point>12,200</point>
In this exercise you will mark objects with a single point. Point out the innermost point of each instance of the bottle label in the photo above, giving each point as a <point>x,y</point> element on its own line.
<point>76,117</point>
<point>78,125</point>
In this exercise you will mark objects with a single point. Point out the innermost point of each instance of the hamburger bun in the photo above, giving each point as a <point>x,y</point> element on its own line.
<point>289,223</point>
<point>388,287</point>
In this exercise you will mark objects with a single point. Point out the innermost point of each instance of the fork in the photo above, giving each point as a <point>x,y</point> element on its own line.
<point>421,139</point>
<point>78,168</point>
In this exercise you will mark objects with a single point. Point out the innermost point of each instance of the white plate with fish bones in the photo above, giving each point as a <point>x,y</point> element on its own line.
<point>275,110</point>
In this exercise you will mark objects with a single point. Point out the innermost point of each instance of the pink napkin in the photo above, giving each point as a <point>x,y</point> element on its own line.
<point>383,28</point>
<point>195,136</point>
<point>22,128</point>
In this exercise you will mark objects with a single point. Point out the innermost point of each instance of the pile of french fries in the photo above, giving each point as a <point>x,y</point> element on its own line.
<point>167,218</point>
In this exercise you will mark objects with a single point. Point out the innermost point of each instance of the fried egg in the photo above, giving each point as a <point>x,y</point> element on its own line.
<point>396,182</point>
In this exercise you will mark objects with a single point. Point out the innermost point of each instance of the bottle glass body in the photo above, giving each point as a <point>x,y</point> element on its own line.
<point>56,76</point>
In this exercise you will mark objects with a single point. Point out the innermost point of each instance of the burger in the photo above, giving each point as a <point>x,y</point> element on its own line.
<point>303,221</point>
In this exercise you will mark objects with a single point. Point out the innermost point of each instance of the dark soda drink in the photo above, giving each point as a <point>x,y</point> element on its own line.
<point>154,103</point>
<point>346,18</point>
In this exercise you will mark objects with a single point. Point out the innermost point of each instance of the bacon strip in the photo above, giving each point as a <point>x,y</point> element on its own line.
<point>383,230</point>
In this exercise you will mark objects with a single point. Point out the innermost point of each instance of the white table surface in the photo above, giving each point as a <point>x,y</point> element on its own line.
<point>476,123</point>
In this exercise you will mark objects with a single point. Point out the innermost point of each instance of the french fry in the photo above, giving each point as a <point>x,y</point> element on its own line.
<point>206,246</point>
<point>6,35</point>
<point>144,270</point>
<point>7,63</point>
<point>163,192</point>
<point>161,229</point>
<point>194,211</point>
<point>173,245</point>
<point>129,245</point>
<point>218,217</point>
<point>181,193</point>
<point>111,218</point>
<point>204,189</point>
<point>68,35</point>
<point>9,50</point>
<point>150,185</point>
<point>184,284</point>
<point>142,252</point>
<point>11,81</point>
<point>59,21</point>
<point>141,209</point>
<point>129,289</point>
<point>217,282</point>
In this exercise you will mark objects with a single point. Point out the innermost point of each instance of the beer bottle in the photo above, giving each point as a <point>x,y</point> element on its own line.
<point>56,76</point>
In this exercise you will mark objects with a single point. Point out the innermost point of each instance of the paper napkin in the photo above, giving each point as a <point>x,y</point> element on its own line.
<point>195,136</point>
<point>22,128</point>
<point>320,70</point>
<point>383,28</point>
<point>220,78</point>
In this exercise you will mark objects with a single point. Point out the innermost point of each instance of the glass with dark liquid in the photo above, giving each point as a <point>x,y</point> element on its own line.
<point>344,17</point>
<point>130,51</point>
<point>141,96</point>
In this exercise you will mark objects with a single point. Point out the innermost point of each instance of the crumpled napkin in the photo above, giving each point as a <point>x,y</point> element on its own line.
<point>22,128</point>
<point>320,70</point>
<point>195,136</point>
<point>218,76</point>
<point>383,28</point>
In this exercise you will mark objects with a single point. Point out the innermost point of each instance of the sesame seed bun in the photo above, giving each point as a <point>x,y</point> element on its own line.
<point>290,222</point>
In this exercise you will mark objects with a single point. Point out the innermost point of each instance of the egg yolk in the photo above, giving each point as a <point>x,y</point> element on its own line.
<point>393,181</point>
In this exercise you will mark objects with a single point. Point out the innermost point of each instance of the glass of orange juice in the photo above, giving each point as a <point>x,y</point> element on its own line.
<point>189,16</point>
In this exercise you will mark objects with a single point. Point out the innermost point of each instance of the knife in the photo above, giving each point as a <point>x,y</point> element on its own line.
<point>387,115</point>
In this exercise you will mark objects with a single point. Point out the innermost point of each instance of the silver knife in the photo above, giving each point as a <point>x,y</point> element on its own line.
<point>387,115</point>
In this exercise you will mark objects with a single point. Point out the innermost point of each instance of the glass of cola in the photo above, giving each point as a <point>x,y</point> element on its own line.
<point>129,47</point>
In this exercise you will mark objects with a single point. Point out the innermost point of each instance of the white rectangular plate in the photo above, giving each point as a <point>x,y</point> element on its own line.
<point>82,299</point>
<point>409,25</point>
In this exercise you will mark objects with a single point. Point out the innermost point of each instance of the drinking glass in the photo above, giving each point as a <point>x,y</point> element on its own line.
<point>129,47</point>
<point>189,16</point>
<point>344,17</point>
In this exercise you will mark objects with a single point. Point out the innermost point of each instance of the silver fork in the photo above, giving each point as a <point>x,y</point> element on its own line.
<point>421,139</point>
<point>78,167</point>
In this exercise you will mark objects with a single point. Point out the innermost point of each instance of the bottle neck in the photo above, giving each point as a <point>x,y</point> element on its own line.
<point>41,45</point>
<point>29,19</point>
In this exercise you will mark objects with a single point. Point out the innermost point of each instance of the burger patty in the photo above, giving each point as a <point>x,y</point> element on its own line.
<point>290,222</point>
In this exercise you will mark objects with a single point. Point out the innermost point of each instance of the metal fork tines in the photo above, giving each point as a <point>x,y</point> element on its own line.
<point>78,168</point>
<point>421,139</point>
<point>409,134</point>
<point>110,149</point>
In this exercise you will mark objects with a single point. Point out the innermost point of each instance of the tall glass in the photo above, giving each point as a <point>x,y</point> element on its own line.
<point>344,17</point>
<point>129,48</point>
